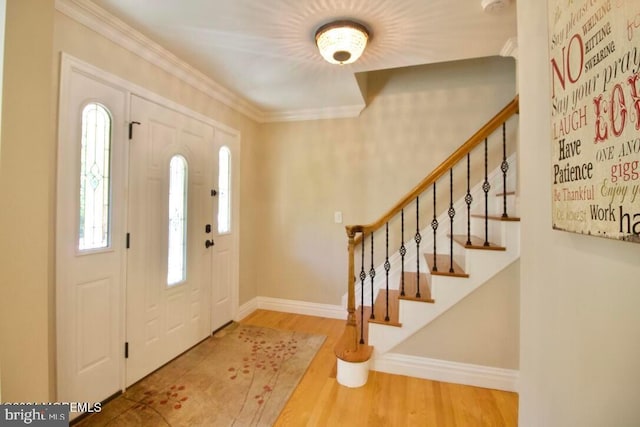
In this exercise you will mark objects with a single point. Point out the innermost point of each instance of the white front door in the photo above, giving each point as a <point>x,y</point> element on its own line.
<point>90,238</point>
<point>169,269</point>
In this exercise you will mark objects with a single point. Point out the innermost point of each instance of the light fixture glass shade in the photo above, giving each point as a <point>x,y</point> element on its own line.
<point>341,42</point>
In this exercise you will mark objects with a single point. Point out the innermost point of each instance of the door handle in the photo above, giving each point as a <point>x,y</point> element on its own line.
<point>208,243</point>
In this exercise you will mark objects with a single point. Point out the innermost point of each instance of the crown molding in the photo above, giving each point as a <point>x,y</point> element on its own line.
<point>101,21</point>
<point>344,112</point>
<point>510,48</point>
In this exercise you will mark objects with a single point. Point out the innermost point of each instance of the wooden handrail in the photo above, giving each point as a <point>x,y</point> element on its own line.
<point>477,138</point>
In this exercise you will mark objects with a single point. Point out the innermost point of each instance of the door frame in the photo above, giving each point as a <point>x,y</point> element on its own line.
<point>70,65</point>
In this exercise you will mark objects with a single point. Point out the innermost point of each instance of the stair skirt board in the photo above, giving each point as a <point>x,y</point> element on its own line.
<point>446,371</point>
<point>291,306</point>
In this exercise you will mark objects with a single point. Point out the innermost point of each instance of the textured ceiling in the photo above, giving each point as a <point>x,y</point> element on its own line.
<point>265,50</point>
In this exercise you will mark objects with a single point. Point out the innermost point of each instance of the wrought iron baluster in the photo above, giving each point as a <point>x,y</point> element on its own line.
<point>418,239</point>
<point>403,251</point>
<point>468,199</point>
<point>434,225</point>
<point>486,187</point>
<point>363,276</point>
<point>504,167</point>
<point>452,214</point>
<point>387,267</point>
<point>372,274</point>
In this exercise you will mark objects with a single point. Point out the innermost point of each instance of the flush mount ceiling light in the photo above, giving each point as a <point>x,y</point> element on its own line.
<point>342,42</point>
<point>494,6</point>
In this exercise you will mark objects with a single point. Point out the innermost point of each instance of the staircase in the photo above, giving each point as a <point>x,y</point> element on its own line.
<point>439,243</point>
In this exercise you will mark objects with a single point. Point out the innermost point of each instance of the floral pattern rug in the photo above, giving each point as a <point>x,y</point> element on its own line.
<point>242,376</point>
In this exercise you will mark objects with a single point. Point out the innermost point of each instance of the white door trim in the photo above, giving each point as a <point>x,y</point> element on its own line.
<point>70,64</point>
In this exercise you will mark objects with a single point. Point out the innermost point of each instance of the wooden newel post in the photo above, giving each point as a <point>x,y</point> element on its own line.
<point>352,327</point>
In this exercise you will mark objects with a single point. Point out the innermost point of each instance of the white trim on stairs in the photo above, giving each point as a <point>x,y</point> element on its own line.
<point>447,371</point>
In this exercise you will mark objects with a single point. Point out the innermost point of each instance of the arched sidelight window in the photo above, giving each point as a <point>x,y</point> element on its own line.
<point>95,179</point>
<point>177,259</point>
<point>224,187</point>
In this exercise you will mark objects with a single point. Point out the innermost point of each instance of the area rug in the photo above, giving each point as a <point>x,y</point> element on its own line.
<point>242,376</point>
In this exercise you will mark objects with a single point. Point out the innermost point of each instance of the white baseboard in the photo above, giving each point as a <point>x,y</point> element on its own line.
<point>291,306</point>
<point>445,371</point>
<point>246,309</point>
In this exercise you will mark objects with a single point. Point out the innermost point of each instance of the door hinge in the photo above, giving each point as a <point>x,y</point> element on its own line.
<point>128,240</point>
<point>131,129</point>
<point>126,350</point>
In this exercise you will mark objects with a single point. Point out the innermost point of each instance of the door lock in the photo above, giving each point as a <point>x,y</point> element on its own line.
<point>207,228</point>
<point>208,243</point>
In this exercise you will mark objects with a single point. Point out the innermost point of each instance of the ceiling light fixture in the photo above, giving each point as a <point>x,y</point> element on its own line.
<point>494,6</point>
<point>342,42</point>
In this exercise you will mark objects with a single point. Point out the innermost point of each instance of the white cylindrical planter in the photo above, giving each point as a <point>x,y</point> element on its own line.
<point>352,374</point>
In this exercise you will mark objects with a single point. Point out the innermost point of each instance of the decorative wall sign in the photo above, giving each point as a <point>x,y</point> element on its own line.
<point>595,116</point>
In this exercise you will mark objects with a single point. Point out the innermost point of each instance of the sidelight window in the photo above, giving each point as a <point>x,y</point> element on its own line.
<point>224,186</point>
<point>177,260</point>
<point>95,179</point>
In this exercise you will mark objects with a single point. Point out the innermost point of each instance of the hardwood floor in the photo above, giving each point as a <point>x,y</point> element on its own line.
<point>386,400</point>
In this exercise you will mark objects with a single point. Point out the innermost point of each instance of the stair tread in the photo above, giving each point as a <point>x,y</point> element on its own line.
<point>497,217</point>
<point>443,264</point>
<point>508,193</point>
<point>476,243</point>
<point>379,308</point>
<point>411,287</point>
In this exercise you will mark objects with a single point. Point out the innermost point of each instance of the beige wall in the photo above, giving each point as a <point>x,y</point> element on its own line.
<point>482,329</point>
<point>580,322</point>
<point>26,177</point>
<point>361,166</point>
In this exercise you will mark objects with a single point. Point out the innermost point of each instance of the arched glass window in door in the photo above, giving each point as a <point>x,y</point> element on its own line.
<point>95,179</point>
<point>224,188</point>
<point>177,259</point>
